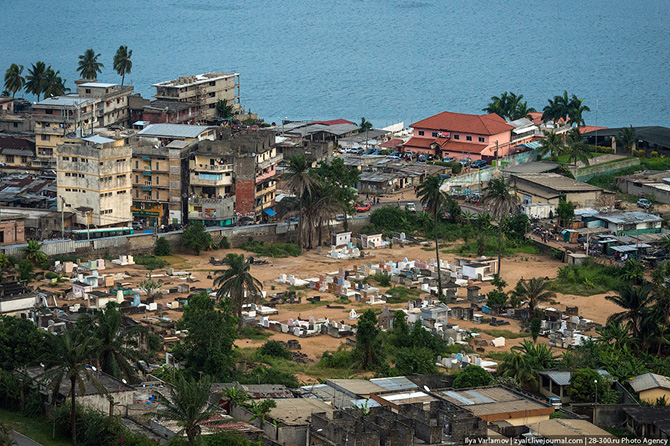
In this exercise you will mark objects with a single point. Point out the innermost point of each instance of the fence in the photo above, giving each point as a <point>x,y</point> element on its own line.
<point>456,183</point>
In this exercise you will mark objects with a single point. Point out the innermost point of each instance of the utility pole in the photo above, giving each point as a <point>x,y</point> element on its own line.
<point>62,219</point>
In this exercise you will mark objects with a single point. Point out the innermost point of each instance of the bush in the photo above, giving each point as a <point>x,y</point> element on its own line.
<point>151,262</point>
<point>163,247</point>
<point>342,358</point>
<point>274,349</point>
<point>401,294</point>
<point>588,278</point>
<point>275,250</point>
<point>224,243</point>
<point>382,279</point>
<point>264,375</point>
<point>26,269</point>
<point>51,275</point>
<point>472,376</point>
<point>195,237</point>
<point>254,333</point>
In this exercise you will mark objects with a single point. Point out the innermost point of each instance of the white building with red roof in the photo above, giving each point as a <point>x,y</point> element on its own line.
<point>462,136</point>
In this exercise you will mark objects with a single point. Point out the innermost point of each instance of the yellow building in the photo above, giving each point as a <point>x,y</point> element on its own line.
<point>651,387</point>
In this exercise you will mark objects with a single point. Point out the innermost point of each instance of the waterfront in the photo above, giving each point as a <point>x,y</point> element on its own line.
<point>389,61</point>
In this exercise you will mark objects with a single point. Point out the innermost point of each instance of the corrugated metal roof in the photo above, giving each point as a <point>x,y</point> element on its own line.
<point>479,397</point>
<point>460,398</point>
<point>560,378</point>
<point>173,130</point>
<point>394,383</point>
<point>98,139</point>
<point>649,381</point>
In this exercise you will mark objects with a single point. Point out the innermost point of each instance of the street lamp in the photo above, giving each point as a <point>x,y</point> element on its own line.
<point>595,409</point>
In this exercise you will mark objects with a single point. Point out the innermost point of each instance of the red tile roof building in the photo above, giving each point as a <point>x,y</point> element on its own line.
<point>461,136</point>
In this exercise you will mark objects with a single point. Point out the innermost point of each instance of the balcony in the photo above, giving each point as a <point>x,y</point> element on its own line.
<point>269,162</point>
<point>213,201</point>
<point>198,179</point>
<point>211,168</point>
<point>50,130</point>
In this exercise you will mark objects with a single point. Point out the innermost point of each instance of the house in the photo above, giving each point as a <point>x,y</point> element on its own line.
<point>651,387</point>
<point>551,187</point>
<point>16,299</point>
<point>461,135</point>
<point>166,133</point>
<point>649,138</point>
<point>646,184</point>
<point>498,404</point>
<point>649,422</point>
<point>556,383</point>
<point>160,111</point>
<point>15,151</point>
<point>622,223</point>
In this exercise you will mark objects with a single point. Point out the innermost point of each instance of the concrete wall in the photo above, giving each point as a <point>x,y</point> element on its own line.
<point>652,395</point>
<point>586,173</point>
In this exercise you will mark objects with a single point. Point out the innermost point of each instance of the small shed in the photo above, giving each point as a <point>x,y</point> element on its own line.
<point>577,259</point>
<point>340,239</point>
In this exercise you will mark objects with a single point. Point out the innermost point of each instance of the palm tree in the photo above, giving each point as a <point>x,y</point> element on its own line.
<point>552,144</point>
<point>261,410</point>
<point>500,105</point>
<point>365,125</point>
<point>627,138</point>
<point>223,110</point>
<point>34,252</point>
<point>433,198</point>
<point>187,403</point>
<point>577,148</point>
<point>237,283</point>
<point>116,343</point>
<point>516,366</point>
<point>634,271</point>
<point>539,356</point>
<point>122,63</point>
<point>54,85</point>
<point>501,202</point>
<point>35,80</point>
<point>576,110</point>
<point>69,360</point>
<point>616,335</point>
<point>635,300</point>
<point>300,181</point>
<point>89,67</point>
<point>14,81</point>
<point>236,395</point>
<point>522,110</point>
<point>320,206</point>
<point>533,291</point>
<point>557,109</point>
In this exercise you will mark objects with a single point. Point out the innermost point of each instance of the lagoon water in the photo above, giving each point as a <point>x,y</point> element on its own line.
<point>387,60</point>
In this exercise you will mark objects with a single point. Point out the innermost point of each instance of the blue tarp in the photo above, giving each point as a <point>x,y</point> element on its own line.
<point>270,212</point>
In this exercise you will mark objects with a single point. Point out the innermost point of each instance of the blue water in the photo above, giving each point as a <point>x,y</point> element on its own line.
<point>387,60</point>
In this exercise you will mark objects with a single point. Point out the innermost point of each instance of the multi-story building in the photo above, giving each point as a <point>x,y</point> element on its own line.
<point>203,90</point>
<point>111,101</point>
<point>233,177</point>
<point>460,135</point>
<point>94,180</point>
<point>144,111</point>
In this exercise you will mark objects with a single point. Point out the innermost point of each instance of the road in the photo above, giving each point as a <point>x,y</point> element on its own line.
<point>22,440</point>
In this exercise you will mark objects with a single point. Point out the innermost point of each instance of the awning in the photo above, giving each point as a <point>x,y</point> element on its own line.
<point>270,212</point>
<point>530,145</point>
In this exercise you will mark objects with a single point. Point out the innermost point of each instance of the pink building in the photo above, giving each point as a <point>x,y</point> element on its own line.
<point>461,136</point>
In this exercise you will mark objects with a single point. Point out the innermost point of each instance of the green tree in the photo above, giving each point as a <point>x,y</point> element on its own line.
<point>14,80</point>
<point>577,148</point>
<point>163,247</point>
<point>633,271</point>
<point>122,63</point>
<point>187,402</point>
<point>34,252</point>
<point>261,410</point>
<point>300,181</point>
<point>415,361</point>
<point>552,144</point>
<point>274,349</point>
<point>635,301</point>
<point>565,211</point>
<point>539,356</point>
<point>365,126</point>
<point>400,336</point>
<point>509,106</point>
<point>368,344</point>
<point>533,291</point>
<point>433,198</point>
<point>585,383</point>
<point>151,287</point>
<point>88,66</point>
<point>576,110</point>
<point>54,85</point>
<point>68,361</point>
<point>21,343</point>
<point>627,138</point>
<point>472,376</point>
<point>502,202</point>
<point>208,346</point>
<point>535,326</point>
<point>26,269</point>
<point>36,79</point>
<point>236,395</point>
<point>515,366</point>
<point>342,179</point>
<point>195,237</point>
<point>237,283</point>
<point>223,110</point>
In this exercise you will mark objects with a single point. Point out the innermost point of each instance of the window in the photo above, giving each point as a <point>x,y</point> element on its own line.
<point>434,134</point>
<point>157,182</point>
<point>66,158</point>
<point>212,105</point>
<point>468,138</point>
<point>121,176</point>
<point>156,165</point>
<point>137,164</point>
<point>457,136</point>
<point>16,124</point>
<point>137,178</point>
<point>120,192</point>
<point>101,163</point>
<point>74,160</point>
<point>137,193</point>
<point>67,174</point>
<point>88,90</point>
<point>46,137</point>
<point>9,158</point>
<point>420,132</point>
<point>24,159</point>
<point>212,83</point>
<point>157,196</point>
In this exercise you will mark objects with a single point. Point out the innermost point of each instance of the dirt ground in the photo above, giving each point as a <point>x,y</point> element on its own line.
<point>312,264</point>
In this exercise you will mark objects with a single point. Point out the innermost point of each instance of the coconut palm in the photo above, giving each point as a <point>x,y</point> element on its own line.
<point>69,360</point>
<point>54,85</point>
<point>539,356</point>
<point>500,105</point>
<point>122,63</point>
<point>237,283</point>
<point>552,144</point>
<point>557,109</point>
<point>34,252</point>
<point>260,410</point>
<point>515,366</point>
<point>236,395</point>
<point>500,200</point>
<point>14,80</point>
<point>320,207</point>
<point>300,181</point>
<point>433,198</point>
<point>187,402</point>
<point>365,126</point>
<point>35,80</point>
<point>616,335</point>
<point>223,110</point>
<point>521,110</point>
<point>635,301</point>
<point>634,271</point>
<point>577,148</point>
<point>533,291</point>
<point>576,110</point>
<point>89,67</point>
<point>627,138</point>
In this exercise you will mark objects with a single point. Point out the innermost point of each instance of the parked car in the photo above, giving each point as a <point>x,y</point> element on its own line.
<point>644,203</point>
<point>555,401</point>
<point>410,207</point>
<point>246,221</point>
<point>137,225</point>
<point>448,159</point>
<point>484,167</point>
<point>363,207</point>
<point>465,161</point>
<point>477,164</point>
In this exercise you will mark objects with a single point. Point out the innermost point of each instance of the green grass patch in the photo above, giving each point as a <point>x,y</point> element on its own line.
<point>151,262</point>
<point>490,247</point>
<point>655,163</point>
<point>564,158</point>
<point>603,164</point>
<point>588,278</point>
<point>175,261</point>
<point>497,356</point>
<point>39,429</point>
<point>254,333</point>
<point>401,294</point>
<point>276,250</point>
<point>496,333</point>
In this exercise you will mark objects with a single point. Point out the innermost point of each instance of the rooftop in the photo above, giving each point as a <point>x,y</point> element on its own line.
<point>496,403</point>
<point>568,428</point>
<point>655,415</point>
<point>654,134</point>
<point>111,384</point>
<point>97,85</point>
<point>357,387</point>
<point>649,381</point>
<point>532,167</point>
<point>298,411</point>
<point>490,124</point>
<point>69,100</point>
<point>185,81</point>
<point>556,182</point>
<point>628,217</point>
<point>256,391</point>
<point>173,130</point>
<point>562,378</point>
